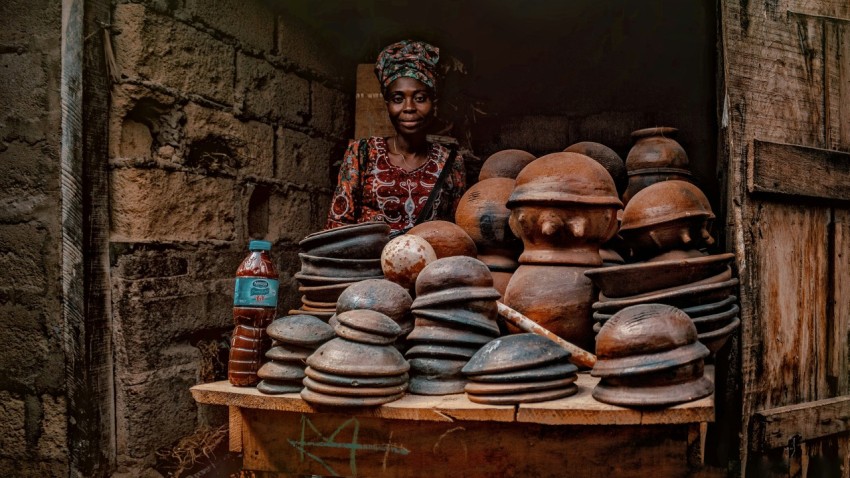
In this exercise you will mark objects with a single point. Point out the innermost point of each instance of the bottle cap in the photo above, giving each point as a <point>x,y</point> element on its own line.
<point>259,246</point>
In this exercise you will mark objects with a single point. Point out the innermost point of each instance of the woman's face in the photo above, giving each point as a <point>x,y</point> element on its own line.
<point>410,105</point>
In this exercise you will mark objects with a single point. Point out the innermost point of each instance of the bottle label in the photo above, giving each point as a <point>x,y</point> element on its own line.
<point>255,292</point>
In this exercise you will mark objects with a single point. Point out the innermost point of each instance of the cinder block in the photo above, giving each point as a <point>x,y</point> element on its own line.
<point>250,21</point>
<point>160,49</point>
<point>303,159</point>
<point>35,22</point>
<point>29,183</point>
<point>26,350</point>
<point>134,110</point>
<point>290,216</point>
<point>52,444</point>
<point>267,92</point>
<point>301,44</point>
<point>152,204</point>
<point>330,111</point>
<point>24,249</point>
<point>13,443</point>
<point>218,141</point>
<point>156,409</point>
<point>24,108</point>
<point>150,264</point>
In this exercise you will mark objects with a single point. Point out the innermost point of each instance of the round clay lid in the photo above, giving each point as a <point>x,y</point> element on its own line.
<point>322,399</point>
<point>280,371</point>
<point>379,295</point>
<point>447,238</point>
<point>528,397</point>
<point>369,235</point>
<point>344,391</point>
<point>564,178</point>
<point>440,351</point>
<point>607,157</point>
<point>547,372</point>
<point>505,164</point>
<point>484,388</point>
<point>664,202</point>
<point>343,357</point>
<point>451,273</point>
<point>447,335</point>
<point>459,318</point>
<point>515,352</point>
<point>301,329</point>
<point>355,335</point>
<point>355,381</point>
<point>370,321</point>
<point>423,385</point>
<point>289,353</point>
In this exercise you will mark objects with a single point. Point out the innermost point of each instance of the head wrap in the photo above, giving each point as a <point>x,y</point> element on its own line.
<point>413,59</point>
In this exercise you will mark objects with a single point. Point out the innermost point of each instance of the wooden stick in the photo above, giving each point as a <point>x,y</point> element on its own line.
<point>579,355</point>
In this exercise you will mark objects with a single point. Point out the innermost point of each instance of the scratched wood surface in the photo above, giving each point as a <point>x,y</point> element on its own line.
<point>786,73</point>
<point>341,445</point>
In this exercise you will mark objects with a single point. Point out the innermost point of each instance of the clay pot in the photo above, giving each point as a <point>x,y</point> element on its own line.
<point>447,239</point>
<point>379,295</point>
<point>454,279</point>
<point>557,297</point>
<point>501,280</point>
<point>404,257</point>
<point>505,164</point>
<point>605,156</point>
<point>565,178</point>
<point>301,330</point>
<point>515,352</point>
<point>356,241</point>
<point>343,357</point>
<point>335,267</point>
<point>483,214</point>
<point>655,157</point>
<point>646,339</point>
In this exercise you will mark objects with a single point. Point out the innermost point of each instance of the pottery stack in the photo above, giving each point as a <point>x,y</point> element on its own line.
<point>649,356</point>
<point>483,213</point>
<point>333,259</point>
<point>455,314</point>
<point>381,296</point>
<point>655,157</point>
<point>521,368</point>
<point>294,338</point>
<point>564,206</point>
<point>360,367</point>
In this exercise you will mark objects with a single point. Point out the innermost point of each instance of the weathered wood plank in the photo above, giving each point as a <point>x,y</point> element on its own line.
<point>800,171</point>
<point>341,445</point>
<point>234,429</point>
<point>839,334</point>
<point>370,111</point>
<point>777,427</point>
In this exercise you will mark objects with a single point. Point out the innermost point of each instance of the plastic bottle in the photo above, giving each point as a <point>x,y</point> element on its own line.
<point>254,308</point>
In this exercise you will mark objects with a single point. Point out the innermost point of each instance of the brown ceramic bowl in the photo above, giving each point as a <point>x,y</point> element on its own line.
<point>515,352</point>
<point>379,295</point>
<point>300,329</point>
<point>323,316</point>
<point>715,279</point>
<point>635,392</point>
<point>656,148</point>
<point>336,267</point>
<point>633,279</point>
<point>324,293</point>
<point>447,335</point>
<point>426,385</point>
<point>452,273</point>
<point>472,321</point>
<point>356,241</point>
<point>342,357</point>
<point>715,339</point>
<point>447,238</point>
<point>486,388</point>
<point>664,202</point>
<point>682,298</point>
<point>528,397</point>
<point>693,312</point>
<point>370,321</point>
<point>317,305</point>
<point>321,399</point>
<point>712,322</point>
<point>505,164</point>
<point>315,281</point>
<point>354,381</point>
<point>536,374</point>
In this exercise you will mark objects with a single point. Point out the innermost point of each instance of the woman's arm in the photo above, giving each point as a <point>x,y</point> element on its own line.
<point>345,203</point>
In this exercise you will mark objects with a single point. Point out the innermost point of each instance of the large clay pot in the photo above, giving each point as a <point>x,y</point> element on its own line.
<point>605,156</point>
<point>447,239</point>
<point>656,156</point>
<point>483,214</point>
<point>557,297</point>
<point>505,164</point>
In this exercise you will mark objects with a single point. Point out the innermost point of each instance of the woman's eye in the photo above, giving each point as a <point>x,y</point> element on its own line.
<point>421,99</point>
<point>397,100</point>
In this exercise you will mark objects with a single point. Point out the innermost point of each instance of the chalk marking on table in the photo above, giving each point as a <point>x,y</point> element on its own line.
<point>463,442</point>
<point>329,442</point>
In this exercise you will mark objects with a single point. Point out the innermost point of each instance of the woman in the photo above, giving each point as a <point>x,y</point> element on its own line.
<point>390,179</point>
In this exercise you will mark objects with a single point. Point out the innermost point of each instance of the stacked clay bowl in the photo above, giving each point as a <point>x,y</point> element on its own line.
<point>521,368</point>
<point>360,367</point>
<point>332,260</point>
<point>655,157</point>
<point>700,286</point>
<point>505,164</point>
<point>664,217</point>
<point>455,314</point>
<point>381,296</point>
<point>483,213</point>
<point>649,356</point>
<point>295,337</point>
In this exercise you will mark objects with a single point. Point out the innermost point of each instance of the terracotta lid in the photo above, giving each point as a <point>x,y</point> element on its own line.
<point>344,391</point>
<point>424,385</point>
<point>404,258</point>
<point>607,157</point>
<point>311,280</point>
<point>317,305</point>
<point>354,335</point>
<point>436,367</point>
<point>354,380</point>
<point>459,318</point>
<point>632,279</point>
<point>289,353</point>
<point>544,373</point>
<point>280,371</point>
<point>515,352</point>
<point>324,293</point>
<point>440,351</point>
<point>560,178</point>
<point>693,312</point>
<point>339,267</point>
<point>675,384</point>
<point>453,272</point>
<point>343,357</point>
<point>505,164</point>
<point>322,399</point>
<point>484,388</point>
<point>717,320</point>
<point>304,330</point>
<point>715,339</point>
<point>370,321</point>
<point>720,277</point>
<point>364,240</point>
<point>664,202</point>
<point>457,296</point>
<point>274,387</point>
<point>682,298</point>
<point>529,397</point>
<point>447,335</point>
<point>379,295</point>
<point>447,238</point>
<point>315,313</point>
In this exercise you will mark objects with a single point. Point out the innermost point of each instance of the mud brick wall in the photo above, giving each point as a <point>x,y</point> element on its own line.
<point>33,431</point>
<point>223,128</point>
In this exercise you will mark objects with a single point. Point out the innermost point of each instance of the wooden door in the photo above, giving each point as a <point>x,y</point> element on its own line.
<point>785,125</point>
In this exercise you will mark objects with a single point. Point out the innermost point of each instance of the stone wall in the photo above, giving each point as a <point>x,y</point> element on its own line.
<point>223,128</point>
<point>33,411</point>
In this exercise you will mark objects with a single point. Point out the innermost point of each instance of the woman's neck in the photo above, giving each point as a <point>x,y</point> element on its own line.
<point>407,153</point>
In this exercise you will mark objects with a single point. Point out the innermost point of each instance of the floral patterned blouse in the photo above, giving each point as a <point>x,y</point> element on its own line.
<point>371,188</point>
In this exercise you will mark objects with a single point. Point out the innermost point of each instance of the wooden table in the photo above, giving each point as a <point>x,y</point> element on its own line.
<point>449,436</point>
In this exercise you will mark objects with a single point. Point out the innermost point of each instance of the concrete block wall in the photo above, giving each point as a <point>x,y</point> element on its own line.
<point>33,395</point>
<point>223,128</point>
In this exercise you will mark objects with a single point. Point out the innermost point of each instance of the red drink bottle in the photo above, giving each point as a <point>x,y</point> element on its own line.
<point>254,307</point>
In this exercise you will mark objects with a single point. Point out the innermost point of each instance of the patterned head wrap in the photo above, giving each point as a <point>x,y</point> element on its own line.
<point>413,59</point>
